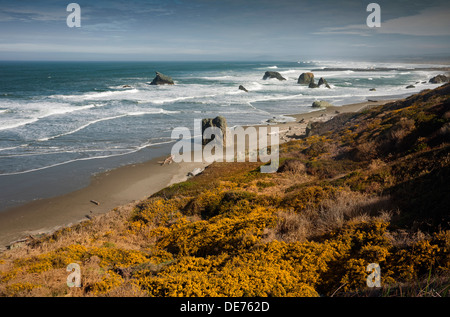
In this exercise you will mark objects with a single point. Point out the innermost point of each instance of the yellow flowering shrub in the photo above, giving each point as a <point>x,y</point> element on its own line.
<point>157,211</point>
<point>108,282</point>
<point>304,197</point>
<point>422,257</point>
<point>9,275</point>
<point>118,257</point>
<point>20,289</point>
<point>56,259</point>
<point>219,234</point>
<point>261,273</point>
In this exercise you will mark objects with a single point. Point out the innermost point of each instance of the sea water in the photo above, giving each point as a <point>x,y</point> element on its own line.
<point>62,122</point>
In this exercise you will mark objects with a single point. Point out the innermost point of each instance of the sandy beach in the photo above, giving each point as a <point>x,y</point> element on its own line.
<point>128,184</point>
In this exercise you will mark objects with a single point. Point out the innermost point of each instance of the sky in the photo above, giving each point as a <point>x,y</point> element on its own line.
<point>199,30</point>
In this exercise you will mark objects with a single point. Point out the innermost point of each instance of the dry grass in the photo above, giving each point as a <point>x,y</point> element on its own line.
<point>292,166</point>
<point>331,214</point>
<point>428,286</point>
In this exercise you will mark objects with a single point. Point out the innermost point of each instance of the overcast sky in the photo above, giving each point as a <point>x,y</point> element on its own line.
<point>223,30</point>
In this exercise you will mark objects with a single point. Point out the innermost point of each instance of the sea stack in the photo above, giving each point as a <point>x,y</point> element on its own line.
<point>305,79</point>
<point>276,75</point>
<point>218,122</point>
<point>162,79</point>
<point>323,82</point>
<point>242,88</point>
<point>439,79</point>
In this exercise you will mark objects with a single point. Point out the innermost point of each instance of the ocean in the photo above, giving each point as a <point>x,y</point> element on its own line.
<point>62,122</point>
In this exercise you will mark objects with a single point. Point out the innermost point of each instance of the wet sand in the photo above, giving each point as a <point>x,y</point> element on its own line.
<point>128,184</point>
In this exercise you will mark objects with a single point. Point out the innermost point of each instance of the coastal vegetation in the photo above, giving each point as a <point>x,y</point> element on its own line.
<point>361,188</point>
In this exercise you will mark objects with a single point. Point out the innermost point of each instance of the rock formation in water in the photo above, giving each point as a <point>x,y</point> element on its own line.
<point>305,79</point>
<point>439,79</point>
<point>162,79</point>
<point>276,75</point>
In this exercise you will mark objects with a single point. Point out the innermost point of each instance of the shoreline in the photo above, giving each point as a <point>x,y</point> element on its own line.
<point>130,184</point>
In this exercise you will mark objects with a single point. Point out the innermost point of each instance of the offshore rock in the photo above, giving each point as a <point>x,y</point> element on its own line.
<point>323,82</point>
<point>312,84</point>
<point>305,78</point>
<point>439,79</point>
<point>162,79</point>
<point>242,88</point>
<point>276,75</point>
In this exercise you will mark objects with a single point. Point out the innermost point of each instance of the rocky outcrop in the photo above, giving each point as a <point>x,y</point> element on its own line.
<point>305,79</point>
<point>372,89</point>
<point>312,84</point>
<point>242,88</point>
<point>219,122</point>
<point>439,79</point>
<point>410,86</point>
<point>162,79</point>
<point>323,82</point>
<point>321,104</point>
<point>276,75</point>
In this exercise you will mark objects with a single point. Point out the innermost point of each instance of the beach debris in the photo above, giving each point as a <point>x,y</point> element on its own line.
<point>18,243</point>
<point>95,202</point>
<point>195,172</point>
<point>439,79</point>
<point>321,104</point>
<point>306,78</point>
<point>89,217</point>
<point>162,79</point>
<point>302,120</point>
<point>168,160</point>
<point>276,75</point>
<point>242,88</point>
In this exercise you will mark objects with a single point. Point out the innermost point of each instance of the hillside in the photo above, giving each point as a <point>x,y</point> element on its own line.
<point>368,187</point>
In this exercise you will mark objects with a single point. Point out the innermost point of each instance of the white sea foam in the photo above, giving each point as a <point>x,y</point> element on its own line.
<point>136,149</point>
<point>13,147</point>
<point>217,77</point>
<point>34,112</point>
<point>84,126</point>
<point>103,95</point>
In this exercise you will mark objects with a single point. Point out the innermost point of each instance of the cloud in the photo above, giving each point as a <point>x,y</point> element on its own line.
<point>29,15</point>
<point>429,22</point>
<point>353,29</point>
